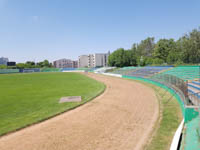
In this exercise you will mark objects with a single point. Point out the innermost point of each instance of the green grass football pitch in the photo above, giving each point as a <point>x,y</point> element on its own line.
<point>29,98</point>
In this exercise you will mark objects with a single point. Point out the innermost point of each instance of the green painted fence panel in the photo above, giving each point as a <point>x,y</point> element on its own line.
<point>191,136</point>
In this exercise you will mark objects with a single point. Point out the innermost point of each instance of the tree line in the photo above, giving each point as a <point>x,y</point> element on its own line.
<point>185,50</point>
<point>29,64</point>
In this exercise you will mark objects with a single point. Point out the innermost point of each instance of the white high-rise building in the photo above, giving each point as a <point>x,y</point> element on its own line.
<point>3,61</point>
<point>93,60</point>
<point>65,63</point>
<point>100,60</point>
<point>83,61</point>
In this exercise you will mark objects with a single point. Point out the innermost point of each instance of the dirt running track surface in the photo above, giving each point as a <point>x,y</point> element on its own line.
<point>120,119</point>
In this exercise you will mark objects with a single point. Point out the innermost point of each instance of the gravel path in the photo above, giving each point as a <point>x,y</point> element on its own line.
<point>122,118</point>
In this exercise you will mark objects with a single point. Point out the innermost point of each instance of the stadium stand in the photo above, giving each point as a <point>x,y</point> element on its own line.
<point>50,70</point>
<point>185,78</point>
<point>77,69</point>
<point>29,70</point>
<point>148,71</point>
<point>6,71</point>
<point>185,72</point>
<point>191,75</point>
<point>124,70</point>
<point>142,72</point>
<point>194,88</point>
<point>103,69</point>
<point>67,69</point>
<point>129,68</point>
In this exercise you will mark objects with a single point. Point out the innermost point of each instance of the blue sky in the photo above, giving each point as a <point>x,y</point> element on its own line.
<point>52,29</point>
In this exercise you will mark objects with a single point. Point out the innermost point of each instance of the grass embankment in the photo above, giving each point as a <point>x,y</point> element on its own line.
<point>168,122</point>
<point>29,98</point>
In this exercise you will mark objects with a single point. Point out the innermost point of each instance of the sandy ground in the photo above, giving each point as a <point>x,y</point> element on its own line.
<point>122,118</point>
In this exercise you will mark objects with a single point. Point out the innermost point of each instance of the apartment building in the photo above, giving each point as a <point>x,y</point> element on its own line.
<point>100,60</point>
<point>65,63</point>
<point>83,61</point>
<point>3,61</point>
<point>93,60</point>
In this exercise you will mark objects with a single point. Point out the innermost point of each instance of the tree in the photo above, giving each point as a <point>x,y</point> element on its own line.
<point>189,46</point>
<point>148,61</point>
<point>46,63</point>
<point>3,66</point>
<point>145,48</point>
<point>117,58</point>
<point>163,48</point>
<point>30,64</point>
<point>129,58</point>
<point>40,64</point>
<point>134,48</point>
<point>141,61</point>
<point>121,58</point>
<point>158,61</point>
<point>147,52</point>
<point>173,57</point>
<point>21,66</point>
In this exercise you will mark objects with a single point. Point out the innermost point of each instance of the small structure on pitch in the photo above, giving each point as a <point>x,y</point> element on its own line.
<point>70,99</point>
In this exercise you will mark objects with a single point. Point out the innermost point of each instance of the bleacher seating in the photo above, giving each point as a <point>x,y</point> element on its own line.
<point>30,70</point>
<point>194,88</point>
<point>148,71</point>
<point>142,72</point>
<point>103,69</point>
<point>191,74</point>
<point>124,70</point>
<point>67,69</point>
<point>185,72</point>
<point>50,70</point>
<point>6,71</point>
